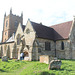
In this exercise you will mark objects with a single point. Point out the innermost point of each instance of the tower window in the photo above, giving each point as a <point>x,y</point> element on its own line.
<point>5,33</point>
<point>6,23</point>
<point>16,23</point>
<point>62,45</point>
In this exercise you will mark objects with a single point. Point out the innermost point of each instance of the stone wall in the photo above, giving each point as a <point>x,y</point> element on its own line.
<point>72,40</point>
<point>6,49</point>
<point>11,50</point>
<point>29,40</point>
<point>5,29</point>
<point>66,52</point>
<point>41,47</point>
<point>19,31</point>
<point>36,46</point>
<point>29,34</point>
<point>12,24</point>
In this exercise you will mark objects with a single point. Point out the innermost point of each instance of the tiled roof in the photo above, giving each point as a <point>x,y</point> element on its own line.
<point>56,32</point>
<point>61,31</point>
<point>43,31</point>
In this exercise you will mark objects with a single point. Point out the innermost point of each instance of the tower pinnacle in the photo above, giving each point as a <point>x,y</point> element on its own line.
<point>11,11</point>
<point>22,14</point>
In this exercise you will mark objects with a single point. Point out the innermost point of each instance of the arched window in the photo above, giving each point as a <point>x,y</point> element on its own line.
<point>18,39</point>
<point>48,46</point>
<point>28,31</point>
<point>62,45</point>
<point>26,54</point>
<point>6,23</point>
<point>16,23</point>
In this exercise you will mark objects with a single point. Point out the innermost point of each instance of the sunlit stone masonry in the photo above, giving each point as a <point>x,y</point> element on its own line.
<point>36,39</point>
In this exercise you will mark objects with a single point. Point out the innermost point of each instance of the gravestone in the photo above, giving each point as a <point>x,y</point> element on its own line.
<point>46,59</point>
<point>55,64</point>
<point>17,60</point>
<point>4,58</point>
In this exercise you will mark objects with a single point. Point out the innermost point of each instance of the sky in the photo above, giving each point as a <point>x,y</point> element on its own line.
<point>49,12</point>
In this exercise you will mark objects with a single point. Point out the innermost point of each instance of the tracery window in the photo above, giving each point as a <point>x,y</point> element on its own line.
<point>28,31</point>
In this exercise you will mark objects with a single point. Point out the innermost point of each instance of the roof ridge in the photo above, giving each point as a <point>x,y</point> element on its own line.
<point>61,23</point>
<point>41,24</point>
<point>43,31</point>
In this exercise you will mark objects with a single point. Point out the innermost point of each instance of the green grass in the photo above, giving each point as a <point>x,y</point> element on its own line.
<point>13,67</point>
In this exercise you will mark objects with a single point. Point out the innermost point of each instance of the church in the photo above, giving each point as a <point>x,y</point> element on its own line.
<point>35,39</point>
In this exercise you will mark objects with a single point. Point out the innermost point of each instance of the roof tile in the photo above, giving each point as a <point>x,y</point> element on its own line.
<point>61,31</point>
<point>43,31</point>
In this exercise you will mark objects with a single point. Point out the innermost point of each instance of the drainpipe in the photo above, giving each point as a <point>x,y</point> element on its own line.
<point>55,47</point>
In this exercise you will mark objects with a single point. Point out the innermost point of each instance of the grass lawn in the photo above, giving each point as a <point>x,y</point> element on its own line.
<point>13,67</point>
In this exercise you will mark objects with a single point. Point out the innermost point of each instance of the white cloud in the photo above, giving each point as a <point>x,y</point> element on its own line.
<point>48,12</point>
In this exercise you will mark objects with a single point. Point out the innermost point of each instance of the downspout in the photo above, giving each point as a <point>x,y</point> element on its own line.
<point>55,47</point>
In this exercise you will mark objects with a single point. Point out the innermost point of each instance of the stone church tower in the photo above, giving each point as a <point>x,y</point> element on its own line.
<point>10,25</point>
